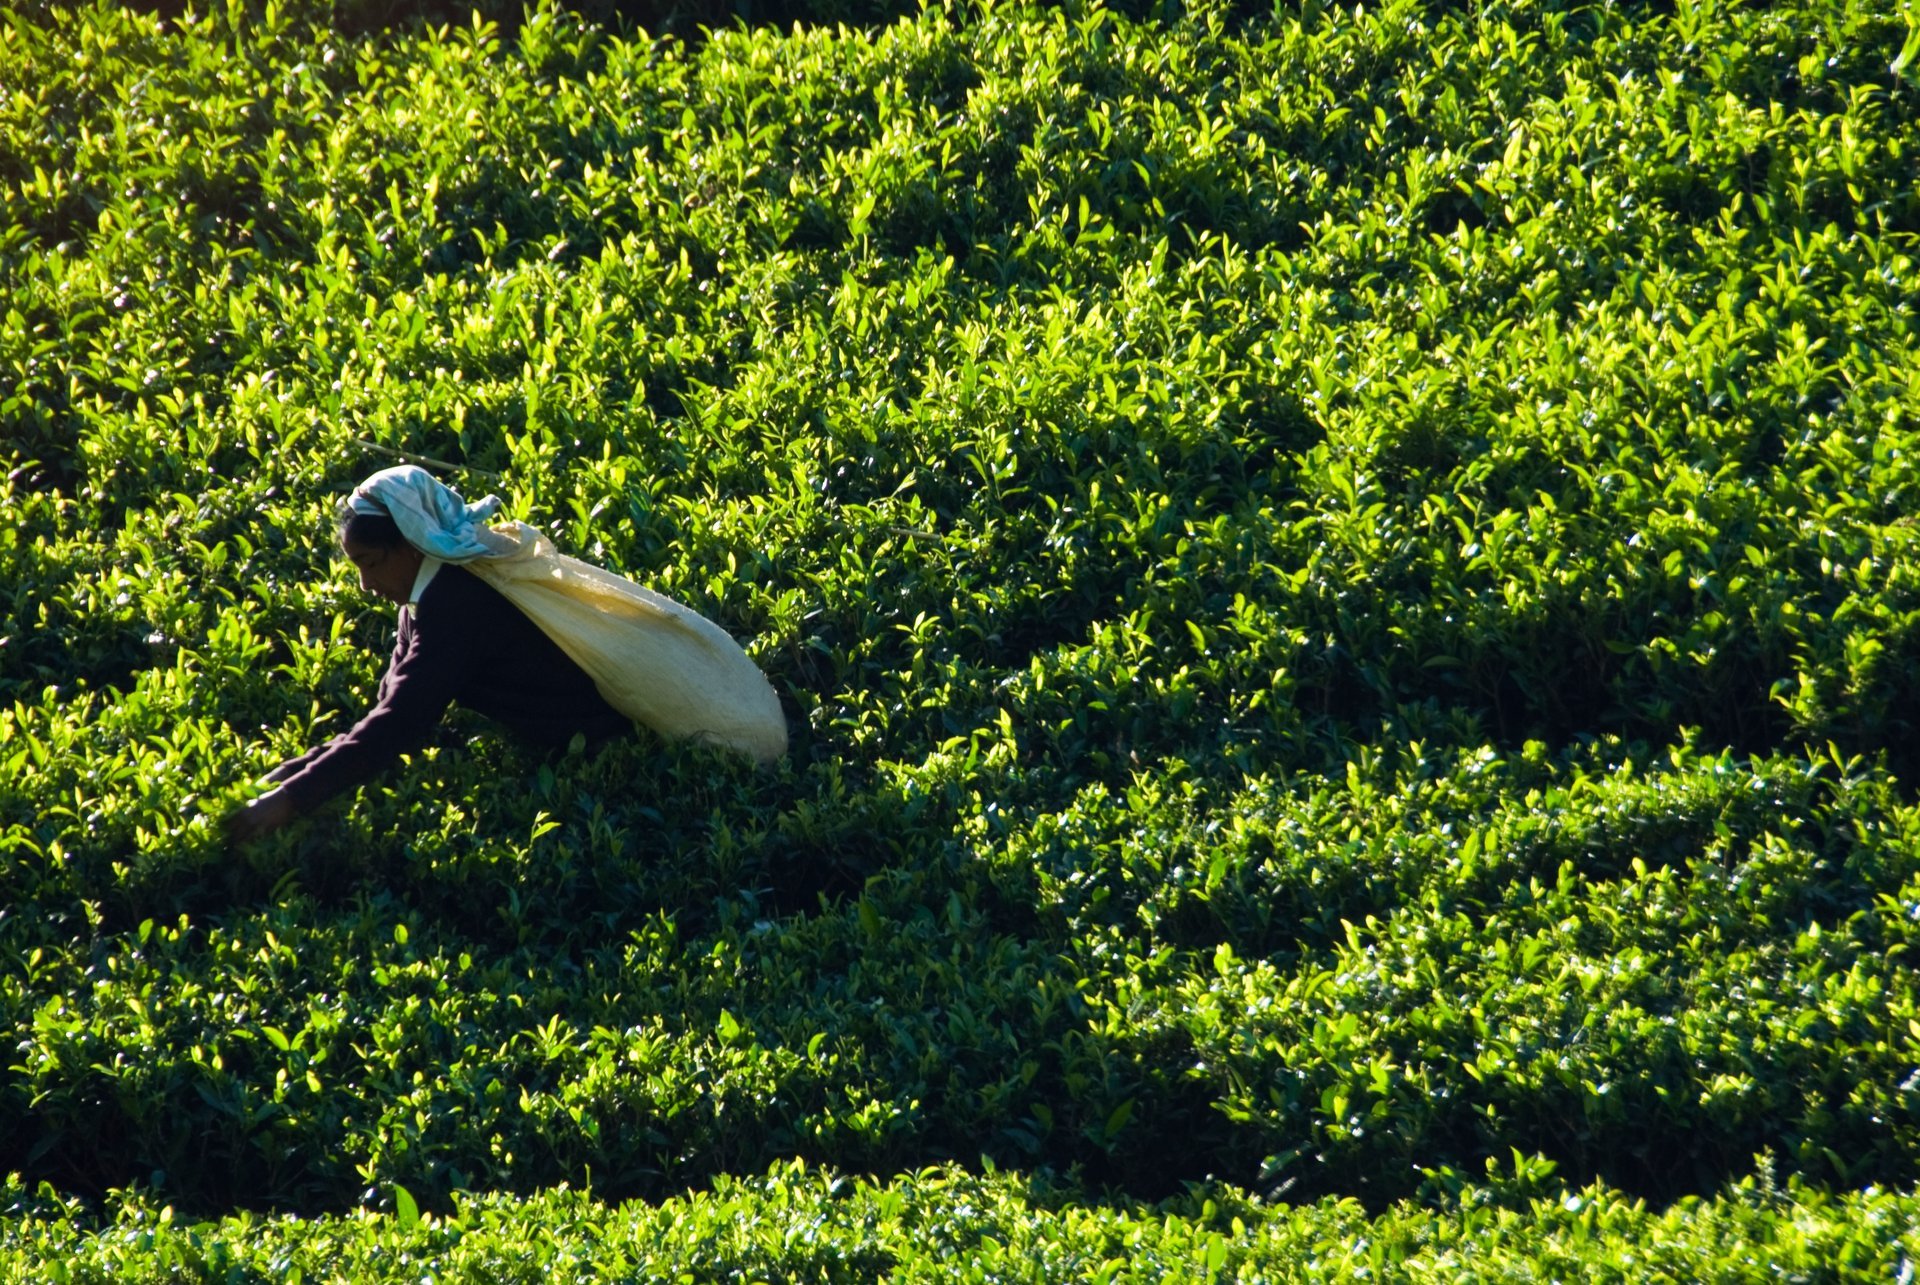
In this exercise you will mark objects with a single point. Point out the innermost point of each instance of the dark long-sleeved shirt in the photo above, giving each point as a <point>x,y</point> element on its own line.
<point>461,642</point>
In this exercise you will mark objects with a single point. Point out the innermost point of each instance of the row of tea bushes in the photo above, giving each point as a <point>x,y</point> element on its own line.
<point>1643,971</point>
<point>948,1225</point>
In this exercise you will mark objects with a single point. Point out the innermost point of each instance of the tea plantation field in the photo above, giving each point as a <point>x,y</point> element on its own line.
<point>1343,578</point>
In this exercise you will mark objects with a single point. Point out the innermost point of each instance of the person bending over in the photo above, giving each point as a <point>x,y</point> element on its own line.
<point>460,642</point>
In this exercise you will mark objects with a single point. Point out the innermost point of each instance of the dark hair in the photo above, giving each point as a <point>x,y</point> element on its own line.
<point>372,530</point>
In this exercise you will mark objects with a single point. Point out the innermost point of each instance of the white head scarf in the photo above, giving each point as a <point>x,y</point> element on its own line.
<point>431,514</point>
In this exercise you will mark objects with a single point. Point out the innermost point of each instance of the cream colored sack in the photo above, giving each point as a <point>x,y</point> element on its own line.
<point>655,661</point>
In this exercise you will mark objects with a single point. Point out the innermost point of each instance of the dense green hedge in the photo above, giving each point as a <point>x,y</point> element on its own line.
<point>1342,580</point>
<point>946,1225</point>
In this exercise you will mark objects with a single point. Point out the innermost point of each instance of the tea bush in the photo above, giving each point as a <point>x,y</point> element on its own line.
<point>1341,577</point>
<point>944,1224</point>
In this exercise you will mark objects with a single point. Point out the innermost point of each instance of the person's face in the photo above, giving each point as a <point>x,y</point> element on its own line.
<point>385,573</point>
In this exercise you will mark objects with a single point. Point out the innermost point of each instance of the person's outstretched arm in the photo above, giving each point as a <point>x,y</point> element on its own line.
<point>427,668</point>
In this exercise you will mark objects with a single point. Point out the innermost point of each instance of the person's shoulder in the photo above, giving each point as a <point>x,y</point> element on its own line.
<point>456,590</point>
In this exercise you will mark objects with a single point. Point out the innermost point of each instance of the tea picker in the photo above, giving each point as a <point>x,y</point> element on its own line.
<point>494,618</point>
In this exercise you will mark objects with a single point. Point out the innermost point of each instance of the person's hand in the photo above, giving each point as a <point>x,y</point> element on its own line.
<point>262,816</point>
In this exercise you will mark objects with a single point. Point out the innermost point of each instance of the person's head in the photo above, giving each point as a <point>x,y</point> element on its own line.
<point>388,565</point>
